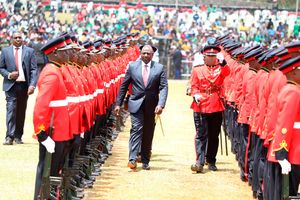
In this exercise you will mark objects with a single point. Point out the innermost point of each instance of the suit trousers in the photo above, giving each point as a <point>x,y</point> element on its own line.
<point>207,136</point>
<point>16,103</point>
<point>141,133</point>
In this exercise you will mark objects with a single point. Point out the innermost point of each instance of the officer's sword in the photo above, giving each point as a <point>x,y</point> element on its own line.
<point>157,117</point>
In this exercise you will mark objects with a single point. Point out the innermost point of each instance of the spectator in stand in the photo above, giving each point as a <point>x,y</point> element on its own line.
<point>17,7</point>
<point>177,59</point>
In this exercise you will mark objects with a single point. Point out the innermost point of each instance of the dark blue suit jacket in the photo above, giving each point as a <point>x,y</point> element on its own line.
<point>155,93</point>
<point>8,65</point>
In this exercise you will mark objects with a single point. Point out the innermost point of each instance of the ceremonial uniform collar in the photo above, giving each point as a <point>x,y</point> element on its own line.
<point>265,69</point>
<point>293,83</point>
<point>251,68</point>
<point>56,64</point>
<point>211,66</point>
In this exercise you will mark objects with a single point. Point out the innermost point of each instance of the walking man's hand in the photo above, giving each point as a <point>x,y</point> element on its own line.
<point>158,110</point>
<point>117,110</point>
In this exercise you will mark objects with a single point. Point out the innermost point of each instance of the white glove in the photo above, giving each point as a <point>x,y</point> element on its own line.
<point>198,60</point>
<point>197,98</point>
<point>49,144</point>
<point>220,57</point>
<point>285,166</point>
<point>188,91</point>
<point>82,135</point>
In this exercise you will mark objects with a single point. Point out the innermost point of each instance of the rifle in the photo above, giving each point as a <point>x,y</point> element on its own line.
<point>285,187</point>
<point>45,190</point>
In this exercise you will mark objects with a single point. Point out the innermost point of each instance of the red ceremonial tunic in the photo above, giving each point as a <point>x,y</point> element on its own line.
<point>208,82</point>
<point>254,105</point>
<point>287,130</point>
<point>51,98</point>
<point>72,98</point>
<point>275,83</point>
<point>247,96</point>
<point>239,84</point>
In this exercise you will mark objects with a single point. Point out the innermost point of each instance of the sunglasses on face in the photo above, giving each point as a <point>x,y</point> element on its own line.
<point>146,53</point>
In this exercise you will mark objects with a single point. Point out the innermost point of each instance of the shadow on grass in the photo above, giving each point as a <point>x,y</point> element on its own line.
<point>154,168</point>
<point>233,171</point>
<point>162,160</point>
<point>160,155</point>
<point>224,163</point>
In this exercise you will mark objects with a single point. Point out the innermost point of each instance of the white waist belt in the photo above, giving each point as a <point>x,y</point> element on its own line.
<point>58,103</point>
<point>297,125</point>
<point>83,98</point>
<point>100,91</point>
<point>73,99</point>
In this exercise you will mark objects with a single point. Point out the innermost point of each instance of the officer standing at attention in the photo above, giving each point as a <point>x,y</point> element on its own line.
<point>207,91</point>
<point>286,137</point>
<point>51,109</point>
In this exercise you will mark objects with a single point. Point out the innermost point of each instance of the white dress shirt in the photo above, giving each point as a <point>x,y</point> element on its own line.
<point>21,77</point>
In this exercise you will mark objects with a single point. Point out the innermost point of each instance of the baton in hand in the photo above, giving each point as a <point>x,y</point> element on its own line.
<point>157,117</point>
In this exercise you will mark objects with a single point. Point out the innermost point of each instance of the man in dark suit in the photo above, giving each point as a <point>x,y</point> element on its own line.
<point>18,67</point>
<point>148,98</point>
<point>177,59</point>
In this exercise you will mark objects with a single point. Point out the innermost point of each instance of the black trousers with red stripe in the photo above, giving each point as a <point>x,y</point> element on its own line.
<point>208,127</point>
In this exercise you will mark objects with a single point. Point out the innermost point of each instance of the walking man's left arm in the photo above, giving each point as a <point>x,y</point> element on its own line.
<point>163,92</point>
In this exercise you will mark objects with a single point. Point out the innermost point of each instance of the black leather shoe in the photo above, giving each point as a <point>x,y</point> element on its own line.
<point>8,141</point>
<point>146,166</point>
<point>212,167</point>
<point>243,178</point>
<point>18,141</point>
<point>197,168</point>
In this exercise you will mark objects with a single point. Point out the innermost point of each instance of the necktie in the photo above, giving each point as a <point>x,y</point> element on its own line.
<point>145,75</point>
<point>17,58</point>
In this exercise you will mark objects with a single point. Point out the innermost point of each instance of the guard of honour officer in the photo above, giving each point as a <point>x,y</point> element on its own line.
<point>261,94</point>
<point>72,119</point>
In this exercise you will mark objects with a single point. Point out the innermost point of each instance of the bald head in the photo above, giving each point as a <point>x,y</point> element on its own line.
<point>147,48</point>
